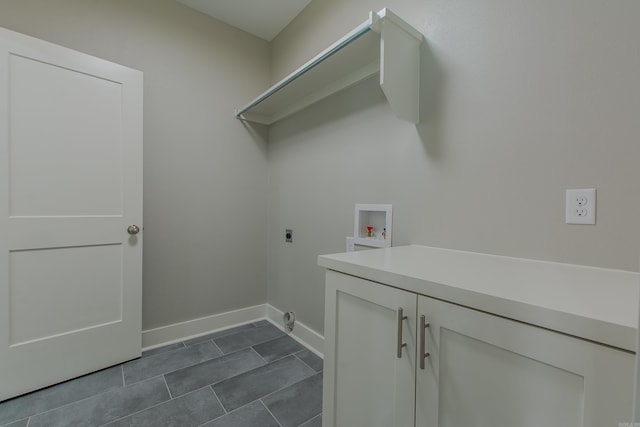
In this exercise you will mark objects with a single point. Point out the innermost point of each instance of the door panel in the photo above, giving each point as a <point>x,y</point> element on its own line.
<point>78,134</point>
<point>488,371</point>
<point>47,279</point>
<point>365,383</point>
<point>498,387</point>
<point>70,184</point>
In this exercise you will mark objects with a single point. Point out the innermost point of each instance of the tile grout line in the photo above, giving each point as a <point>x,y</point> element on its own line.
<point>252,369</point>
<point>292,353</point>
<point>269,411</point>
<point>237,375</point>
<point>262,366</point>
<point>225,413</point>
<point>268,394</point>
<point>303,362</point>
<point>186,366</point>
<point>167,386</point>
<point>37,414</point>
<point>257,343</point>
<point>137,412</point>
<point>185,343</point>
<point>285,387</point>
<point>221,405</point>
<point>156,350</point>
<point>15,421</point>
<point>219,401</point>
<point>30,417</point>
<point>255,368</point>
<point>317,372</point>
<point>226,378</point>
<point>259,355</point>
<point>147,409</point>
<point>223,379</point>
<point>96,395</point>
<point>289,355</point>
<point>214,343</point>
<point>312,418</point>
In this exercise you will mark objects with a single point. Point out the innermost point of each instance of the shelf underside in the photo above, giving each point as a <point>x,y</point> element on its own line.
<point>384,45</point>
<point>353,63</point>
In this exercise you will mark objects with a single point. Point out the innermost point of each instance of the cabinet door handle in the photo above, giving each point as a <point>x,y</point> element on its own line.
<point>423,329</point>
<point>400,344</point>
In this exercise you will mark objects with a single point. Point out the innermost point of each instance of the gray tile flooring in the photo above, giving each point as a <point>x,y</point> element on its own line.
<point>250,375</point>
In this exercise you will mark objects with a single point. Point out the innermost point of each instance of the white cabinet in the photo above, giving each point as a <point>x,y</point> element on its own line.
<point>482,370</point>
<point>365,383</point>
<point>485,370</point>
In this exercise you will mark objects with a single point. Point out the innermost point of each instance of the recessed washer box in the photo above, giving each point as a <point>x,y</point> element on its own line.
<point>378,216</point>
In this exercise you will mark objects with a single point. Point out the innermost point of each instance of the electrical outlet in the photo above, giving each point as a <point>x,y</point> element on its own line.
<point>581,206</point>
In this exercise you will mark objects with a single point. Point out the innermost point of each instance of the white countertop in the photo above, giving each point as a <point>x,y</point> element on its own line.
<point>593,303</point>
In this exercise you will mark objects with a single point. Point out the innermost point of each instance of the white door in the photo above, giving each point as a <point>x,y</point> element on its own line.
<point>488,371</point>
<point>70,185</point>
<point>369,377</point>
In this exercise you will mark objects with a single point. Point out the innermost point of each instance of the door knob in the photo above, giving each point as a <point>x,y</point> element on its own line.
<point>133,229</point>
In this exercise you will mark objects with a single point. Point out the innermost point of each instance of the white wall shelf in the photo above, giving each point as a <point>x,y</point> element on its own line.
<point>383,44</point>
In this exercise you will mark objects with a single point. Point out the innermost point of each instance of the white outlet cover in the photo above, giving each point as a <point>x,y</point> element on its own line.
<point>581,206</point>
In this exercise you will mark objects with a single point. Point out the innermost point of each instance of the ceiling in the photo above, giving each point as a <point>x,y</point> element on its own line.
<point>262,18</point>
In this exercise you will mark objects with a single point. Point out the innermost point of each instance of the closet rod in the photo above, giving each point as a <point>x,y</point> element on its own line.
<point>348,39</point>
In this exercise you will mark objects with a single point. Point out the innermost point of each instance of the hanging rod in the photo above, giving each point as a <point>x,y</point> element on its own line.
<point>324,55</point>
<point>395,55</point>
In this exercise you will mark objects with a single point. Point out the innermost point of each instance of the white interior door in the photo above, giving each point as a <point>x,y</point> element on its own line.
<point>70,185</point>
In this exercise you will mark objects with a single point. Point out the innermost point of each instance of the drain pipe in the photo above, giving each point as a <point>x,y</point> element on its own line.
<point>289,319</point>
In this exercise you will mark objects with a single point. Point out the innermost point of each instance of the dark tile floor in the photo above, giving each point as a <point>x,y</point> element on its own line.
<point>250,375</point>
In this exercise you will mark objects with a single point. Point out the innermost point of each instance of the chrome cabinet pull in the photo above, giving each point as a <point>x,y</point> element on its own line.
<point>400,344</point>
<point>423,329</point>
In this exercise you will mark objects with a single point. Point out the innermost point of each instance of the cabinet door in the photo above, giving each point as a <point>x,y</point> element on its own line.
<point>365,383</point>
<point>488,371</point>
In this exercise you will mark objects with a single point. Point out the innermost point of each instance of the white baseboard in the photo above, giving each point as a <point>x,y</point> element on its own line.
<point>301,332</point>
<point>182,331</point>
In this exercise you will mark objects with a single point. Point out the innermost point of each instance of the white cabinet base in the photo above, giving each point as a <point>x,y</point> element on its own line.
<point>365,383</point>
<point>482,370</point>
<point>485,370</point>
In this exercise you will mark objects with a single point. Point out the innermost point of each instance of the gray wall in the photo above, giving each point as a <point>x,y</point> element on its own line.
<point>520,101</point>
<point>204,202</point>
